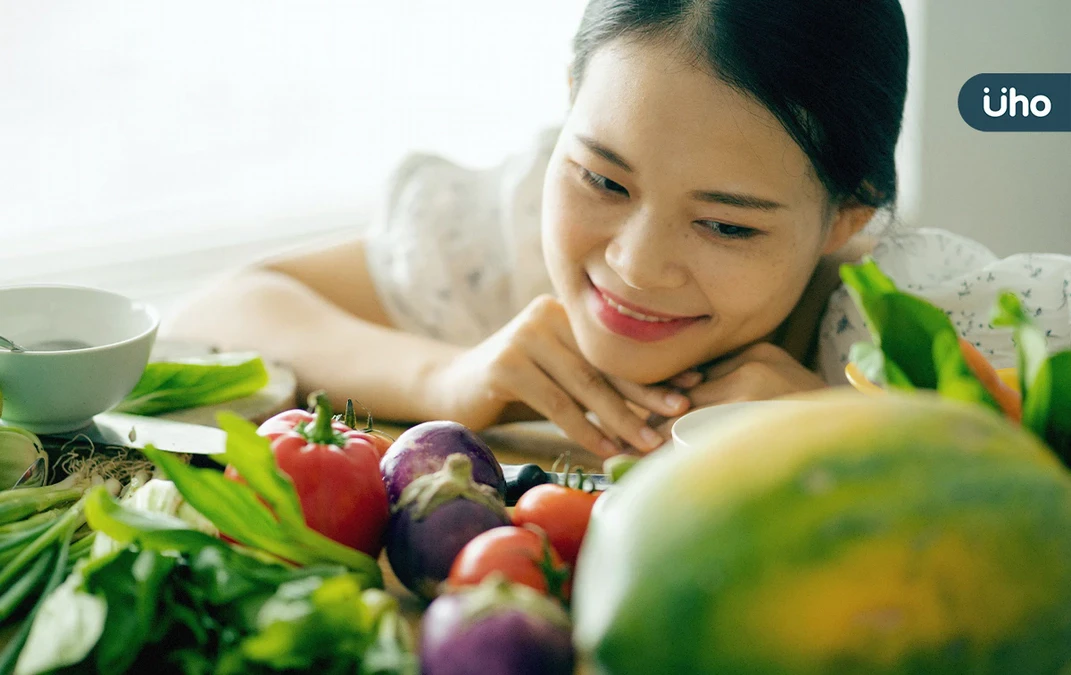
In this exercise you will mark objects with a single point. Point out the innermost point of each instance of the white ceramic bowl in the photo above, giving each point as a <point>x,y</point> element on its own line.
<point>695,430</point>
<point>52,391</point>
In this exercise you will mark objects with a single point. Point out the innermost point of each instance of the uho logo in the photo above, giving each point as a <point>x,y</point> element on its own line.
<point>1017,102</point>
<point>1039,106</point>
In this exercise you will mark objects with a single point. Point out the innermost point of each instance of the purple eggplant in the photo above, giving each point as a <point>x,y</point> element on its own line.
<point>436,515</point>
<point>422,449</point>
<point>496,628</point>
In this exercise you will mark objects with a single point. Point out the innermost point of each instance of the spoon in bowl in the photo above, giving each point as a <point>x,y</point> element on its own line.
<point>9,345</point>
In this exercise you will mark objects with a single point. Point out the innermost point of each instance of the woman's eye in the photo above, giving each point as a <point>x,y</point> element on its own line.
<point>601,182</point>
<point>728,231</point>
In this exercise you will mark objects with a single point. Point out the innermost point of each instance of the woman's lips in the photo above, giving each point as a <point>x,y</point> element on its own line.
<point>609,310</point>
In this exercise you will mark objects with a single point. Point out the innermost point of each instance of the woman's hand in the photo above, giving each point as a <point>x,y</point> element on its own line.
<point>534,360</point>
<point>760,372</point>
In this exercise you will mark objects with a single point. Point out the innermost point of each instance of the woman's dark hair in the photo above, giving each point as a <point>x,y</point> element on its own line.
<point>833,72</point>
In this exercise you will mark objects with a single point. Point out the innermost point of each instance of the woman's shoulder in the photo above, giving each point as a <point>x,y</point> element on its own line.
<point>960,271</point>
<point>450,247</point>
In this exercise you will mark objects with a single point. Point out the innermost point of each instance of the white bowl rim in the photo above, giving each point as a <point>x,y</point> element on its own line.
<point>678,430</point>
<point>154,317</point>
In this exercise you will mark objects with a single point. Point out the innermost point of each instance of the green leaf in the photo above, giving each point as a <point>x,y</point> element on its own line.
<point>223,575</point>
<point>901,325</point>
<point>250,454</point>
<point>230,505</point>
<point>154,531</point>
<point>174,385</point>
<point>67,625</point>
<point>1054,379</point>
<point>918,343</point>
<point>1045,381</point>
<point>233,507</point>
<point>331,625</point>
<point>131,585</point>
<point>1029,341</point>
<point>125,525</point>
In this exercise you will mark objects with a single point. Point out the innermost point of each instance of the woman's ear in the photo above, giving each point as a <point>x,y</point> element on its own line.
<point>850,218</point>
<point>569,74</point>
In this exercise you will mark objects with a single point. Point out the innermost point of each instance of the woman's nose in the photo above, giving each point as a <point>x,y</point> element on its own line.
<point>642,254</point>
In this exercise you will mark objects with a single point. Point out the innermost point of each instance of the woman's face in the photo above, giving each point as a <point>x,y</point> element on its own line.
<point>680,221</point>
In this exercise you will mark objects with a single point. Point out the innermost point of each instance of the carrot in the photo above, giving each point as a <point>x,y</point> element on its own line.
<point>1009,400</point>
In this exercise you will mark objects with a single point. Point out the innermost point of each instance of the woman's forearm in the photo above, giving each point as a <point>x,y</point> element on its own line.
<point>328,348</point>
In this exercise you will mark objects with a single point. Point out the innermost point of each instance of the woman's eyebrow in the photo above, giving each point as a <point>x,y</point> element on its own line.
<point>738,199</point>
<point>604,152</point>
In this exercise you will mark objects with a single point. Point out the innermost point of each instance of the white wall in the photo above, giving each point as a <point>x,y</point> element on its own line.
<point>161,128</point>
<point>136,136</point>
<point>1010,191</point>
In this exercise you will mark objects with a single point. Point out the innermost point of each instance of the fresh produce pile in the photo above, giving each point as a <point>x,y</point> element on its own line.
<point>270,565</point>
<point>926,530</point>
<point>499,583</point>
<point>43,529</point>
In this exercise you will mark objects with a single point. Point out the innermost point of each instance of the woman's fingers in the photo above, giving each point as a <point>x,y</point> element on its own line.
<point>580,380</point>
<point>666,401</point>
<point>544,395</point>
<point>687,379</point>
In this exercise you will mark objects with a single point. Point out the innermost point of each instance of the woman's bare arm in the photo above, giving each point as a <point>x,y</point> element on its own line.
<point>318,311</point>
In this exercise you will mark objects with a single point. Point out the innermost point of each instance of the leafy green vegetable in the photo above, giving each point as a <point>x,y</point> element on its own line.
<point>175,385</point>
<point>237,510</point>
<point>915,344</point>
<point>1029,340</point>
<point>1044,380</point>
<point>310,617</point>
<point>9,657</point>
<point>179,601</point>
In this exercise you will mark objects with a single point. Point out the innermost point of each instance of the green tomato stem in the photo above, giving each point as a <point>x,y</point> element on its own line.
<point>321,431</point>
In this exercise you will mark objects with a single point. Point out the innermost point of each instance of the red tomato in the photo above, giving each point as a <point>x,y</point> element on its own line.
<point>380,440</point>
<point>524,556</point>
<point>335,471</point>
<point>290,420</point>
<point>562,512</point>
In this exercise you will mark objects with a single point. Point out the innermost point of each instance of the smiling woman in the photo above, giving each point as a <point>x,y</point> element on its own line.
<point>674,244</point>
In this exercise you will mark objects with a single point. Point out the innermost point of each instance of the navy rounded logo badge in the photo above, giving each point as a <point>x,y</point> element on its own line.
<point>1017,102</point>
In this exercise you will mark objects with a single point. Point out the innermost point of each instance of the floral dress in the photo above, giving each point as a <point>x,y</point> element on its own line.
<point>455,253</point>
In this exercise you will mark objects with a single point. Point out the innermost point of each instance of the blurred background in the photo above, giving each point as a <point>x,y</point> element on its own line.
<point>147,146</point>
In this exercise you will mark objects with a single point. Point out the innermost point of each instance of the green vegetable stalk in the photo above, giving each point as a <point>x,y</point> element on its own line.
<point>1044,380</point>
<point>173,595</point>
